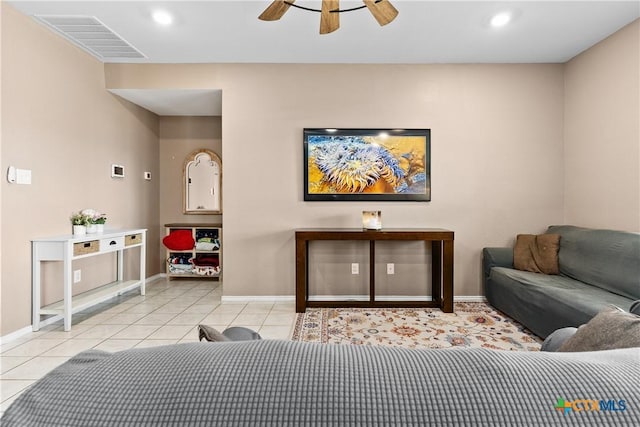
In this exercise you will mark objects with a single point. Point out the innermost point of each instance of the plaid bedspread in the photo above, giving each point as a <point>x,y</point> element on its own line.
<point>293,383</point>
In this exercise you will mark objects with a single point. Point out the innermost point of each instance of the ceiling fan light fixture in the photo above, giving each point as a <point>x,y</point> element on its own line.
<point>382,10</point>
<point>500,19</point>
<point>162,17</point>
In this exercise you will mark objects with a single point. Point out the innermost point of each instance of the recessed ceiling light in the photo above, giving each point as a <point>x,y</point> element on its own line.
<point>500,19</point>
<point>162,17</point>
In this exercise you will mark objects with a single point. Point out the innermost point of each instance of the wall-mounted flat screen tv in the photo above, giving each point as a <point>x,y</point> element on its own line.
<point>367,164</point>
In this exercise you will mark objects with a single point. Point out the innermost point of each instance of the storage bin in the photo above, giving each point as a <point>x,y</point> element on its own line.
<point>133,239</point>
<point>84,248</point>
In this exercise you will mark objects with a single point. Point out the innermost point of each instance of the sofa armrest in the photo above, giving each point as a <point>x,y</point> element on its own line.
<point>496,257</point>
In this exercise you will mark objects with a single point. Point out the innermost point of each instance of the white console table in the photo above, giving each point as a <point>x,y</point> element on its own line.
<point>71,247</point>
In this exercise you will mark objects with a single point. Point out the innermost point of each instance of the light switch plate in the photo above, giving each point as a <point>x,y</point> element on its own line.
<point>23,176</point>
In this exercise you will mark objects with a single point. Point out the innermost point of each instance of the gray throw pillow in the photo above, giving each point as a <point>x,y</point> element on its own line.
<point>610,329</point>
<point>210,334</point>
<point>239,333</point>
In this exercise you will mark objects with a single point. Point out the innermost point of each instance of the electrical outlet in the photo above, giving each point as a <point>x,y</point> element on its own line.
<point>391,268</point>
<point>355,268</point>
<point>77,276</point>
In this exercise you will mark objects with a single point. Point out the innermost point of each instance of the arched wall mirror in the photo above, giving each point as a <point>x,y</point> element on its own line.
<point>202,183</point>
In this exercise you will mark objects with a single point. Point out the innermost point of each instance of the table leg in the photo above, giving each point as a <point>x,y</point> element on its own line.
<point>68,292</point>
<point>301,275</point>
<point>35,286</point>
<point>143,264</point>
<point>372,271</point>
<point>119,264</point>
<point>447,277</point>
<point>436,272</point>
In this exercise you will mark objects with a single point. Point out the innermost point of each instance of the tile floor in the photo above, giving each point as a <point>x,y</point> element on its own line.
<point>169,313</point>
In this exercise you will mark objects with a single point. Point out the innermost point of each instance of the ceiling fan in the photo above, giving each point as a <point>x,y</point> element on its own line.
<point>382,10</point>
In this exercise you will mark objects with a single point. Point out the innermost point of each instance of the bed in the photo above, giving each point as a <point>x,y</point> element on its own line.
<point>270,382</point>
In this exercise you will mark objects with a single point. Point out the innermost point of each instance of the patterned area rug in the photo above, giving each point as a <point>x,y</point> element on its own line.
<point>471,325</point>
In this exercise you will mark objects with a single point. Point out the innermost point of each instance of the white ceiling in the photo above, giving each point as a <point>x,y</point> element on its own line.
<point>218,31</point>
<point>424,31</point>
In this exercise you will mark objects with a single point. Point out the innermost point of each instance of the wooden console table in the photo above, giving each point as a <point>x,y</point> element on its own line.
<point>441,269</point>
<point>70,248</point>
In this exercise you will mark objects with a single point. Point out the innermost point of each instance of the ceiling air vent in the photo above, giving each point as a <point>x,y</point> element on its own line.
<point>91,35</point>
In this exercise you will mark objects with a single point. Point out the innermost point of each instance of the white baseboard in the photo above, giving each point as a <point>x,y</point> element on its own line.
<point>470,298</point>
<point>156,277</point>
<point>235,299</point>
<point>17,334</point>
<point>391,298</point>
<point>232,299</point>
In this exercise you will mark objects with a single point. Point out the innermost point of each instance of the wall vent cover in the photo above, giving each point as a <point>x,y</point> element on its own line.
<point>91,35</point>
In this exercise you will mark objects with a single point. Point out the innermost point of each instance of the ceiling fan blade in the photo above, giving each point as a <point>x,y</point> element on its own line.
<point>329,22</point>
<point>382,10</point>
<point>275,10</point>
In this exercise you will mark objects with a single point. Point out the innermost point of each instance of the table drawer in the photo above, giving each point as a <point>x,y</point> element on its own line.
<point>111,244</point>
<point>84,248</point>
<point>133,239</point>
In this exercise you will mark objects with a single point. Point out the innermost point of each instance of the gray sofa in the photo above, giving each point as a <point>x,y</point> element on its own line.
<point>597,268</point>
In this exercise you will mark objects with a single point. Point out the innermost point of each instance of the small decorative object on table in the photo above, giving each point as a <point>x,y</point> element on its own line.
<point>88,221</point>
<point>99,220</point>
<point>93,219</point>
<point>78,221</point>
<point>372,220</point>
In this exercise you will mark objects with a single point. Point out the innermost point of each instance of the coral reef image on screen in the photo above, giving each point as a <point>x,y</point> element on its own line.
<point>367,164</point>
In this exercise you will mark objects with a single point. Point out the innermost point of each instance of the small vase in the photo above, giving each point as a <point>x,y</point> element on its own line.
<point>79,230</point>
<point>92,228</point>
<point>99,228</point>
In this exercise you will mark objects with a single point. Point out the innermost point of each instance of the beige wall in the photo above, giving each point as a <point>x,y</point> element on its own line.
<point>602,133</point>
<point>496,149</point>
<point>59,121</point>
<point>179,137</point>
